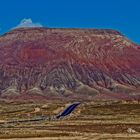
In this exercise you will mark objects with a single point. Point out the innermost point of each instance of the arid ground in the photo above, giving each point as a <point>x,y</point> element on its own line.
<point>90,120</point>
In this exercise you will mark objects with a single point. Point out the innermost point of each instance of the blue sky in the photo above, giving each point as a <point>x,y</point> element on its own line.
<point>122,15</point>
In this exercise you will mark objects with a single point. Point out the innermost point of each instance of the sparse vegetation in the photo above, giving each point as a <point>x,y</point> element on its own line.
<point>101,120</point>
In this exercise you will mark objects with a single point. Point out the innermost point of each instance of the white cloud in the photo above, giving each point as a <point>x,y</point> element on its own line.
<point>28,23</point>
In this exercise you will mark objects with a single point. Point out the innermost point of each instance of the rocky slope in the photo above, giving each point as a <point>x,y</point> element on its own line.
<point>69,63</point>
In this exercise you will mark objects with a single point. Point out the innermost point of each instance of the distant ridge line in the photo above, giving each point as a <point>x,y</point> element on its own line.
<point>93,30</point>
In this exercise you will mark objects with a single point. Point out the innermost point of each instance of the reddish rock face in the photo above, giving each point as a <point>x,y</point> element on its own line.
<point>69,63</point>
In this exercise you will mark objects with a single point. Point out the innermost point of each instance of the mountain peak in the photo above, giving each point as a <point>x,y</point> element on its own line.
<point>64,62</point>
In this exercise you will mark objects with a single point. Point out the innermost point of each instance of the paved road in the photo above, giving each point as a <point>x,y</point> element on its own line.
<point>68,110</point>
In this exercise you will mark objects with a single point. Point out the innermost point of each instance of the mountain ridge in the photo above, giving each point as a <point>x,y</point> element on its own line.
<point>67,62</point>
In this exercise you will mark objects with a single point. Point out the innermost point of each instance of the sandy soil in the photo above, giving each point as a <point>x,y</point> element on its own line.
<point>94,120</point>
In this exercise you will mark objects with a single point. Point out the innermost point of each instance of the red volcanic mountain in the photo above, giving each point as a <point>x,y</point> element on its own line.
<point>69,63</point>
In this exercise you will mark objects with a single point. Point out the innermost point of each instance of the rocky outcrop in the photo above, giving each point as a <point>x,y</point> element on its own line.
<point>68,63</point>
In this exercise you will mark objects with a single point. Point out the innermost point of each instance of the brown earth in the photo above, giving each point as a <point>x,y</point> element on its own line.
<point>90,121</point>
